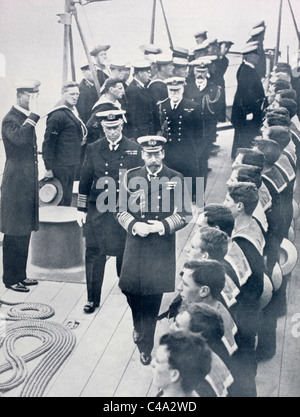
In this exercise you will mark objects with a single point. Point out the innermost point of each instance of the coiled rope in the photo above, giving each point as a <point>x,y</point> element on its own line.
<point>22,311</point>
<point>57,343</point>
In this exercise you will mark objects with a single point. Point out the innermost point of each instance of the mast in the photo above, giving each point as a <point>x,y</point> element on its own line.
<point>167,26</point>
<point>297,31</point>
<point>153,22</point>
<point>278,34</point>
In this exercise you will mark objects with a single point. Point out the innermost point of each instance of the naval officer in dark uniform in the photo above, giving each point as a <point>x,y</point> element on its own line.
<point>246,116</point>
<point>181,125</point>
<point>151,209</point>
<point>88,94</point>
<point>106,160</point>
<point>19,189</point>
<point>141,109</point>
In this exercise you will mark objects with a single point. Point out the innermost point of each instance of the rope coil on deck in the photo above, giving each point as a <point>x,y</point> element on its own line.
<point>22,311</point>
<point>57,343</point>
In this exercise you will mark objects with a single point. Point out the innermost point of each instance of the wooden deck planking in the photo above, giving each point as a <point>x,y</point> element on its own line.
<point>113,362</point>
<point>97,334</point>
<point>105,361</point>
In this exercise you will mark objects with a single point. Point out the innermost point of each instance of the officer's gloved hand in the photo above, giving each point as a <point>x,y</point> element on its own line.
<point>48,173</point>
<point>81,218</point>
<point>157,227</point>
<point>141,229</point>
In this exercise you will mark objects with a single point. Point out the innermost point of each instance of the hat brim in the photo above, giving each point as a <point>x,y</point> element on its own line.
<point>276,277</point>
<point>95,51</point>
<point>288,257</point>
<point>56,200</point>
<point>266,295</point>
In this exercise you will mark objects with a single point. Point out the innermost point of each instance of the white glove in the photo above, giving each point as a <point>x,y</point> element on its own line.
<point>141,229</point>
<point>33,105</point>
<point>48,173</point>
<point>157,227</point>
<point>81,218</point>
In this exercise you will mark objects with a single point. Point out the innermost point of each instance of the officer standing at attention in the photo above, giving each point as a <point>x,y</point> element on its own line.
<point>150,212</point>
<point>88,94</point>
<point>98,191</point>
<point>141,109</point>
<point>19,189</point>
<point>246,116</point>
<point>181,125</point>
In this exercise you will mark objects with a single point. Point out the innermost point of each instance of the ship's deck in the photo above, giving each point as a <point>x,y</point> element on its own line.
<point>105,361</point>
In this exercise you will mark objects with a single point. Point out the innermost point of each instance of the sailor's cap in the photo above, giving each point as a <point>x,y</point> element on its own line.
<point>180,62</point>
<point>288,257</point>
<point>179,52</point>
<point>250,48</point>
<point>150,48</point>
<point>202,33</point>
<point>98,49</point>
<point>28,85</point>
<point>142,65</point>
<point>163,59</point>
<point>119,65</point>
<point>260,23</point>
<point>257,31</point>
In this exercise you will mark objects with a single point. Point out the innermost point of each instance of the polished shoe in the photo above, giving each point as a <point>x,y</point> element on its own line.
<point>136,336</point>
<point>29,282</point>
<point>18,287</point>
<point>89,307</point>
<point>145,359</point>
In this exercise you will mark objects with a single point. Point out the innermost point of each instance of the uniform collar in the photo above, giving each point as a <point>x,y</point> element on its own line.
<point>114,145</point>
<point>26,112</point>
<point>249,63</point>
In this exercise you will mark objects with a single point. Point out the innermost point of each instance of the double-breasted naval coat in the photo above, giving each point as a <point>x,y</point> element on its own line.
<point>182,127</point>
<point>149,263</point>
<point>19,190</point>
<point>102,230</point>
<point>246,116</point>
<point>141,111</point>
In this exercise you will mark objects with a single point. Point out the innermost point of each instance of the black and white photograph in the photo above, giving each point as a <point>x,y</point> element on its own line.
<point>149,201</point>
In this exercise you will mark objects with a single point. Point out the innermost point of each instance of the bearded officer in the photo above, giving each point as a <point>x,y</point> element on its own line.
<point>151,209</point>
<point>106,160</point>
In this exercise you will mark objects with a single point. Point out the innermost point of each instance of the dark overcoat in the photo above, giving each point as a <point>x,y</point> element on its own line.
<point>87,98</point>
<point>182,127</point>
<point>210,101</point>
<point>63,138</point>
<point>248,101</point>
<point>102,230</point>
<point>149,263</point>
<point>141,111</point>
<point>19,190</point>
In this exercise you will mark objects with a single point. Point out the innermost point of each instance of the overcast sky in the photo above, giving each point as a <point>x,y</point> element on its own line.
<point>32,38</point>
